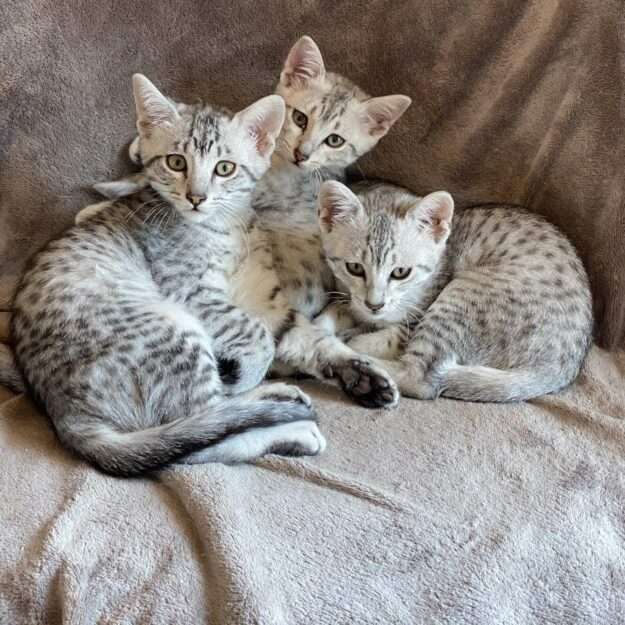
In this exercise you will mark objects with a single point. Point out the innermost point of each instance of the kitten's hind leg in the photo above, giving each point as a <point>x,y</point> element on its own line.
<point>300,438</point>
<point>243,345</point>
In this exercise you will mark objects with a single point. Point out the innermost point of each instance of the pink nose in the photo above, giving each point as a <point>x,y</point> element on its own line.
<point>299,157</point>
<point>374,307</point>
<point>196,200</point>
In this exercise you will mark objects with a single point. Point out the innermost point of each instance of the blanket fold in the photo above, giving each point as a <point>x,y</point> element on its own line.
<point>437,512</point>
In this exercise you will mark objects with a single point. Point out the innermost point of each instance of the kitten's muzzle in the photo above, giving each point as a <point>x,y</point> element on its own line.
<point>300,157</point>
<point>195,200</point>
<point>374,307</point>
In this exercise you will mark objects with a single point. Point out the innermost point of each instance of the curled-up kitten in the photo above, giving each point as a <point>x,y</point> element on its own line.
<point>121,325</point>
<point>492,304</point>
<point>330,122</point>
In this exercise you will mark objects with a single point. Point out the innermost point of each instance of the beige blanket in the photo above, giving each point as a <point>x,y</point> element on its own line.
<point>436,513</point>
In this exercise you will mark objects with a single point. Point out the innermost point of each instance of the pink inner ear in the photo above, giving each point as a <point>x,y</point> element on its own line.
<point>327,215</point>
<point>145,128</point>
<point>326,218</point>
<point>440,228</point>
<point>263,142</point>
<point>379,125</point>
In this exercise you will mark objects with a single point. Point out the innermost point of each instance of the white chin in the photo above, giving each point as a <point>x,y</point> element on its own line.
<point>194,216</point>
<point>367,316</point>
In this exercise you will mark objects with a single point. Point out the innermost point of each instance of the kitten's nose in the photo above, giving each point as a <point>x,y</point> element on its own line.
<point>196,200</point>
<point>374,307</point>
<point>299,156</point>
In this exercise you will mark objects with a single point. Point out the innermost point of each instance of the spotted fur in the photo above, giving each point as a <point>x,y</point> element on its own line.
<point>119,326</point>
<point>286,233</point>
<point>496,305</point>
<point>284,280</point>
<point>286,196</point>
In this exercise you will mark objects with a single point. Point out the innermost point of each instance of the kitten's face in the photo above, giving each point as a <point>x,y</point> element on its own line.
<point>204,161</point>
<point>383,246</point>
<point>330,122</point>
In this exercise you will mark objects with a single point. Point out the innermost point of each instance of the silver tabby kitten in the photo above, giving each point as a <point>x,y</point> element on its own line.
<point>330,123</point>
<point>119,326</point>
<point>492,304</point>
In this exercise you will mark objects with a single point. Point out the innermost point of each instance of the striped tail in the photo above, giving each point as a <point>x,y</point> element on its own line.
<point>129,454</point>
<point>475,383</point>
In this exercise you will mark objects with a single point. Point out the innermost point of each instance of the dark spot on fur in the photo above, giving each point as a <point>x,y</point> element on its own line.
<point>229,370</point>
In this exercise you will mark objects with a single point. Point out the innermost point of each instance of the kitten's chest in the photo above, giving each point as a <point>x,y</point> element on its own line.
<point>282,192</point>
<point>188,255</point>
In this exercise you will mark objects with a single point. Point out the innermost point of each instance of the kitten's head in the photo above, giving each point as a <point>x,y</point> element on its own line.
<point>201,159</point>
<point>330,122</point>
<point>383,245</point>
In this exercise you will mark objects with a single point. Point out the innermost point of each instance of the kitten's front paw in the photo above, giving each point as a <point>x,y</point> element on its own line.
<point>369,385</point>
<point>301,438</point>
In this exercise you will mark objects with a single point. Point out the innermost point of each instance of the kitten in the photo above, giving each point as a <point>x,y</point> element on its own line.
<point>330,122</point>
<point>492,304</point>
<point>118,325</point>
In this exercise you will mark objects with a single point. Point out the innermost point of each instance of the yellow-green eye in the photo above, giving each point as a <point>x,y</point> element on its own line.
<point>356,269</point>
<point>401,273</point>
<point>225,168</point>
<point>334,141</point>
<point>300,119</point>
<point>176,162</point>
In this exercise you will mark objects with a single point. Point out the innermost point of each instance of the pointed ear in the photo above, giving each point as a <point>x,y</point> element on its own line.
<point>336,204</point>
<point>122,187</point>
<point>134,150</point>
<point>154,110</point>
<point>437,209</point>
<point>303,64</point>
<point>381,113</point>
<point>262,121</point>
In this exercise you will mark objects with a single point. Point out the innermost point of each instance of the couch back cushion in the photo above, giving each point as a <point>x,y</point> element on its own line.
<point>513,101</point>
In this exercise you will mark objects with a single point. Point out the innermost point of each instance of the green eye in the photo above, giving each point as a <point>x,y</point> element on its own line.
<point>401,273</point>
<point>300,119</point>
<point>334,141</point>
<point>225,168</point>
<point>356,269</point>
<point>176,162</point>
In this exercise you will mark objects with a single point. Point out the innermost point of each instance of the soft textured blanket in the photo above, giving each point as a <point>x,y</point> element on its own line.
<point>436,513</point>
<point>513,101</point>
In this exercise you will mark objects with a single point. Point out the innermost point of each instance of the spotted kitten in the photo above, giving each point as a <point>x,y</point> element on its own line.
<point>119,325</point>
<point>492,304</point>
<point>330,122</point>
